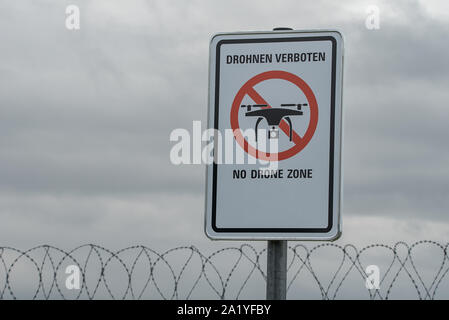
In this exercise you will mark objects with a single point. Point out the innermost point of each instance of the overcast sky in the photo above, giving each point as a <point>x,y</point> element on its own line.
<point>85,117</point>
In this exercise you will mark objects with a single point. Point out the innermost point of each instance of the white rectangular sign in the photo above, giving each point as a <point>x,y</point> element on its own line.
<point>275,104</point>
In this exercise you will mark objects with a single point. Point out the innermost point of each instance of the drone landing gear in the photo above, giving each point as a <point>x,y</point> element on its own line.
<point>290,128</point>
<point>274,133</point>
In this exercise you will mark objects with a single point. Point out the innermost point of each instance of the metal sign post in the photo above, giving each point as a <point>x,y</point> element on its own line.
<point>277,270</point>
<point>277,260</point>
<point>280,89</point>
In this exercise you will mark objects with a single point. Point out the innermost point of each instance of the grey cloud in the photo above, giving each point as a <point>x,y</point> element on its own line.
<point>87,115</point>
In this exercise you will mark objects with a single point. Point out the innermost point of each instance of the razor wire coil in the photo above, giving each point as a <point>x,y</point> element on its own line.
<point>140,272</point>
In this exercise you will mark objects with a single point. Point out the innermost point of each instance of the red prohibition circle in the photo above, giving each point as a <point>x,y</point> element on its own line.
<point>300,142</point>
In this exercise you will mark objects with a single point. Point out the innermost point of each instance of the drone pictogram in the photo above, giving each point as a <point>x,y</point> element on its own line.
<point>274,116</point>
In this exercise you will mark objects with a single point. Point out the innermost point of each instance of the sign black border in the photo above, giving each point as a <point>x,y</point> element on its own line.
<point>331,147</point>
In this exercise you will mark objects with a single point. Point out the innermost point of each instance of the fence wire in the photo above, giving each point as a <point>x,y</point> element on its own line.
<point>323,271</point>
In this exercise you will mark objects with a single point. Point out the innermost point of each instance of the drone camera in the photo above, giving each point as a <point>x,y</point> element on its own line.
<point>273,133</point>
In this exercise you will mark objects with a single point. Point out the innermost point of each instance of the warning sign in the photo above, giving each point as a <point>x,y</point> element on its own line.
<point>280,89</point>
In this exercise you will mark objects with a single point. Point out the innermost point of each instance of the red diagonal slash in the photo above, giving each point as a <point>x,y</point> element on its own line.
<point>257,98</point>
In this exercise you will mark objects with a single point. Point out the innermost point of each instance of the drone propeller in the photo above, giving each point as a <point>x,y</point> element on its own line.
<point>299,105</point>
<point>249,106</point>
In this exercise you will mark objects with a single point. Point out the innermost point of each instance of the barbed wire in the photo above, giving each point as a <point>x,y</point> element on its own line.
<point>139,272</point>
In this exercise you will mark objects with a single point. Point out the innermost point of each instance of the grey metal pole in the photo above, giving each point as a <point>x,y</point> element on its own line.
<point>277,270</point>
<point>277,260</point>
